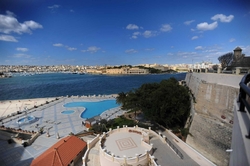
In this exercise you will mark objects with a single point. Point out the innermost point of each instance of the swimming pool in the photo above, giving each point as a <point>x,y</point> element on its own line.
<point>93,108</point>
<point>26,120</point>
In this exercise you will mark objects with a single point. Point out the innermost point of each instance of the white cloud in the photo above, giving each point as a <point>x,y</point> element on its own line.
<point>71,48</point>
<point>67,47</point>
<point>132,27</point>
<point>205,26</point>
<point>134,37</point>
<point>222,18</point>
<point>211,50</point>
<point>192,29</point>
<point>149,49</point>
<point>8,38</point>
<point>54,6</point>
<point>188,22</point>
<point>58,45</point>
<point>170,54</point>
<point>166,28</point>
<point>21,56</point>
<point>180,53</point>
<point>9,13</point>
<point>33,24</point>
<point>130,51</point>
<point>194,37</point>
<point>72,11</point>
<point>22,49</point>
<point>199,48</point>
<point>148,34</point>
<point>246,50</point>
<point>92,49</point>
<point>232,40</point>
<point>136,33</point>
<point>8,24</point>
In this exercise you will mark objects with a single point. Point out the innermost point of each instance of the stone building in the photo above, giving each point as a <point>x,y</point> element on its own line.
<point>127,70</point>
<point>239,59</point>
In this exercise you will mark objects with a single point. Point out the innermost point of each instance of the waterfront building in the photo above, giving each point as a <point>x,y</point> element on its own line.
<point>137,70</point>
<point>156,66</point>
<point>127,70</point>
<point>159,67</point>
<point>123,70</point>
<point>93,71</point>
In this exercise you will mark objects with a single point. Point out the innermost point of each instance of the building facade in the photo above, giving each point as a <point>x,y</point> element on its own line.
<point>127,70</point>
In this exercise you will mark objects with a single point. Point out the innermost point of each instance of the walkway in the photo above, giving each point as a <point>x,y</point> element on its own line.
<point>166,156</point>
<point>93,158</point>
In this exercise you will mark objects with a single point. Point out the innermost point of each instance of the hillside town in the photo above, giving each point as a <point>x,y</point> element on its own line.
<point>6,70</point>
<point>228,63</point>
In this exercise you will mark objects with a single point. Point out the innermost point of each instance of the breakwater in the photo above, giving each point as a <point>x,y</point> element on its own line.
<point>212,117</point>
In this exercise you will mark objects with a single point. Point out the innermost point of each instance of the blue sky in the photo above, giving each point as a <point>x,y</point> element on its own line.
<point>116,32</point>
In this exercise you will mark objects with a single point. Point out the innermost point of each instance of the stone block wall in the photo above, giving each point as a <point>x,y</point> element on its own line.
<point>216,101</point>
<point>211,138</point>
<point>213,97</point>
<point>211,128</point>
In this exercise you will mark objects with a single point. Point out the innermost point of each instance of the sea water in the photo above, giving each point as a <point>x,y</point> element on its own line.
<point>61,84</point>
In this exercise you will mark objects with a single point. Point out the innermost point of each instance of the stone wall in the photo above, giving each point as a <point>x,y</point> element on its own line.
<point>211,138</point>
<point>211,127</point>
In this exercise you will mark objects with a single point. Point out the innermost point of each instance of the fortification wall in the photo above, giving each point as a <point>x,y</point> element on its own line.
<point>211,127</point>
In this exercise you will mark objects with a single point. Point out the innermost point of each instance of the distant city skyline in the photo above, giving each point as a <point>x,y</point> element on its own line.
<point>121,32</point>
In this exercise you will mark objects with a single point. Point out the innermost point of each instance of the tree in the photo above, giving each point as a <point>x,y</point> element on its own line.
<point>226,59</point>
<point>120,98</point>
<point>153,70</point>
<point>166,103</point>
<point>215,67</point>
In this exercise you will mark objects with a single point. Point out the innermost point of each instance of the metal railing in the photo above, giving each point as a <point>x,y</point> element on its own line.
<point>177,151</point>
<point>243,99</point>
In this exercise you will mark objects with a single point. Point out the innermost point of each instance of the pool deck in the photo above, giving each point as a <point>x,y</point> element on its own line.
<point>8,107</point>
<point>51,118</point>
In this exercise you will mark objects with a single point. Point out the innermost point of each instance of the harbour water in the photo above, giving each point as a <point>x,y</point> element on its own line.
<point>61,84</point>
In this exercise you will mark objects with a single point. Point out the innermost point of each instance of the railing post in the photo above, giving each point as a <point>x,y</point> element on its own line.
<point>244,104</point>
<point>242,97</point>
<point>237,70</point>
<point>218,70</point>
<point>248,136</point>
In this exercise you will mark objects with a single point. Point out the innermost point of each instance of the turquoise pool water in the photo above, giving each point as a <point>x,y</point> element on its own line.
<point>68,112</point>
<point>93,108</point>
<point>26,120</point>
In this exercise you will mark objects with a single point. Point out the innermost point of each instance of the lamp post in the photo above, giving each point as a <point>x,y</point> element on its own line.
<point>192,65</point>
